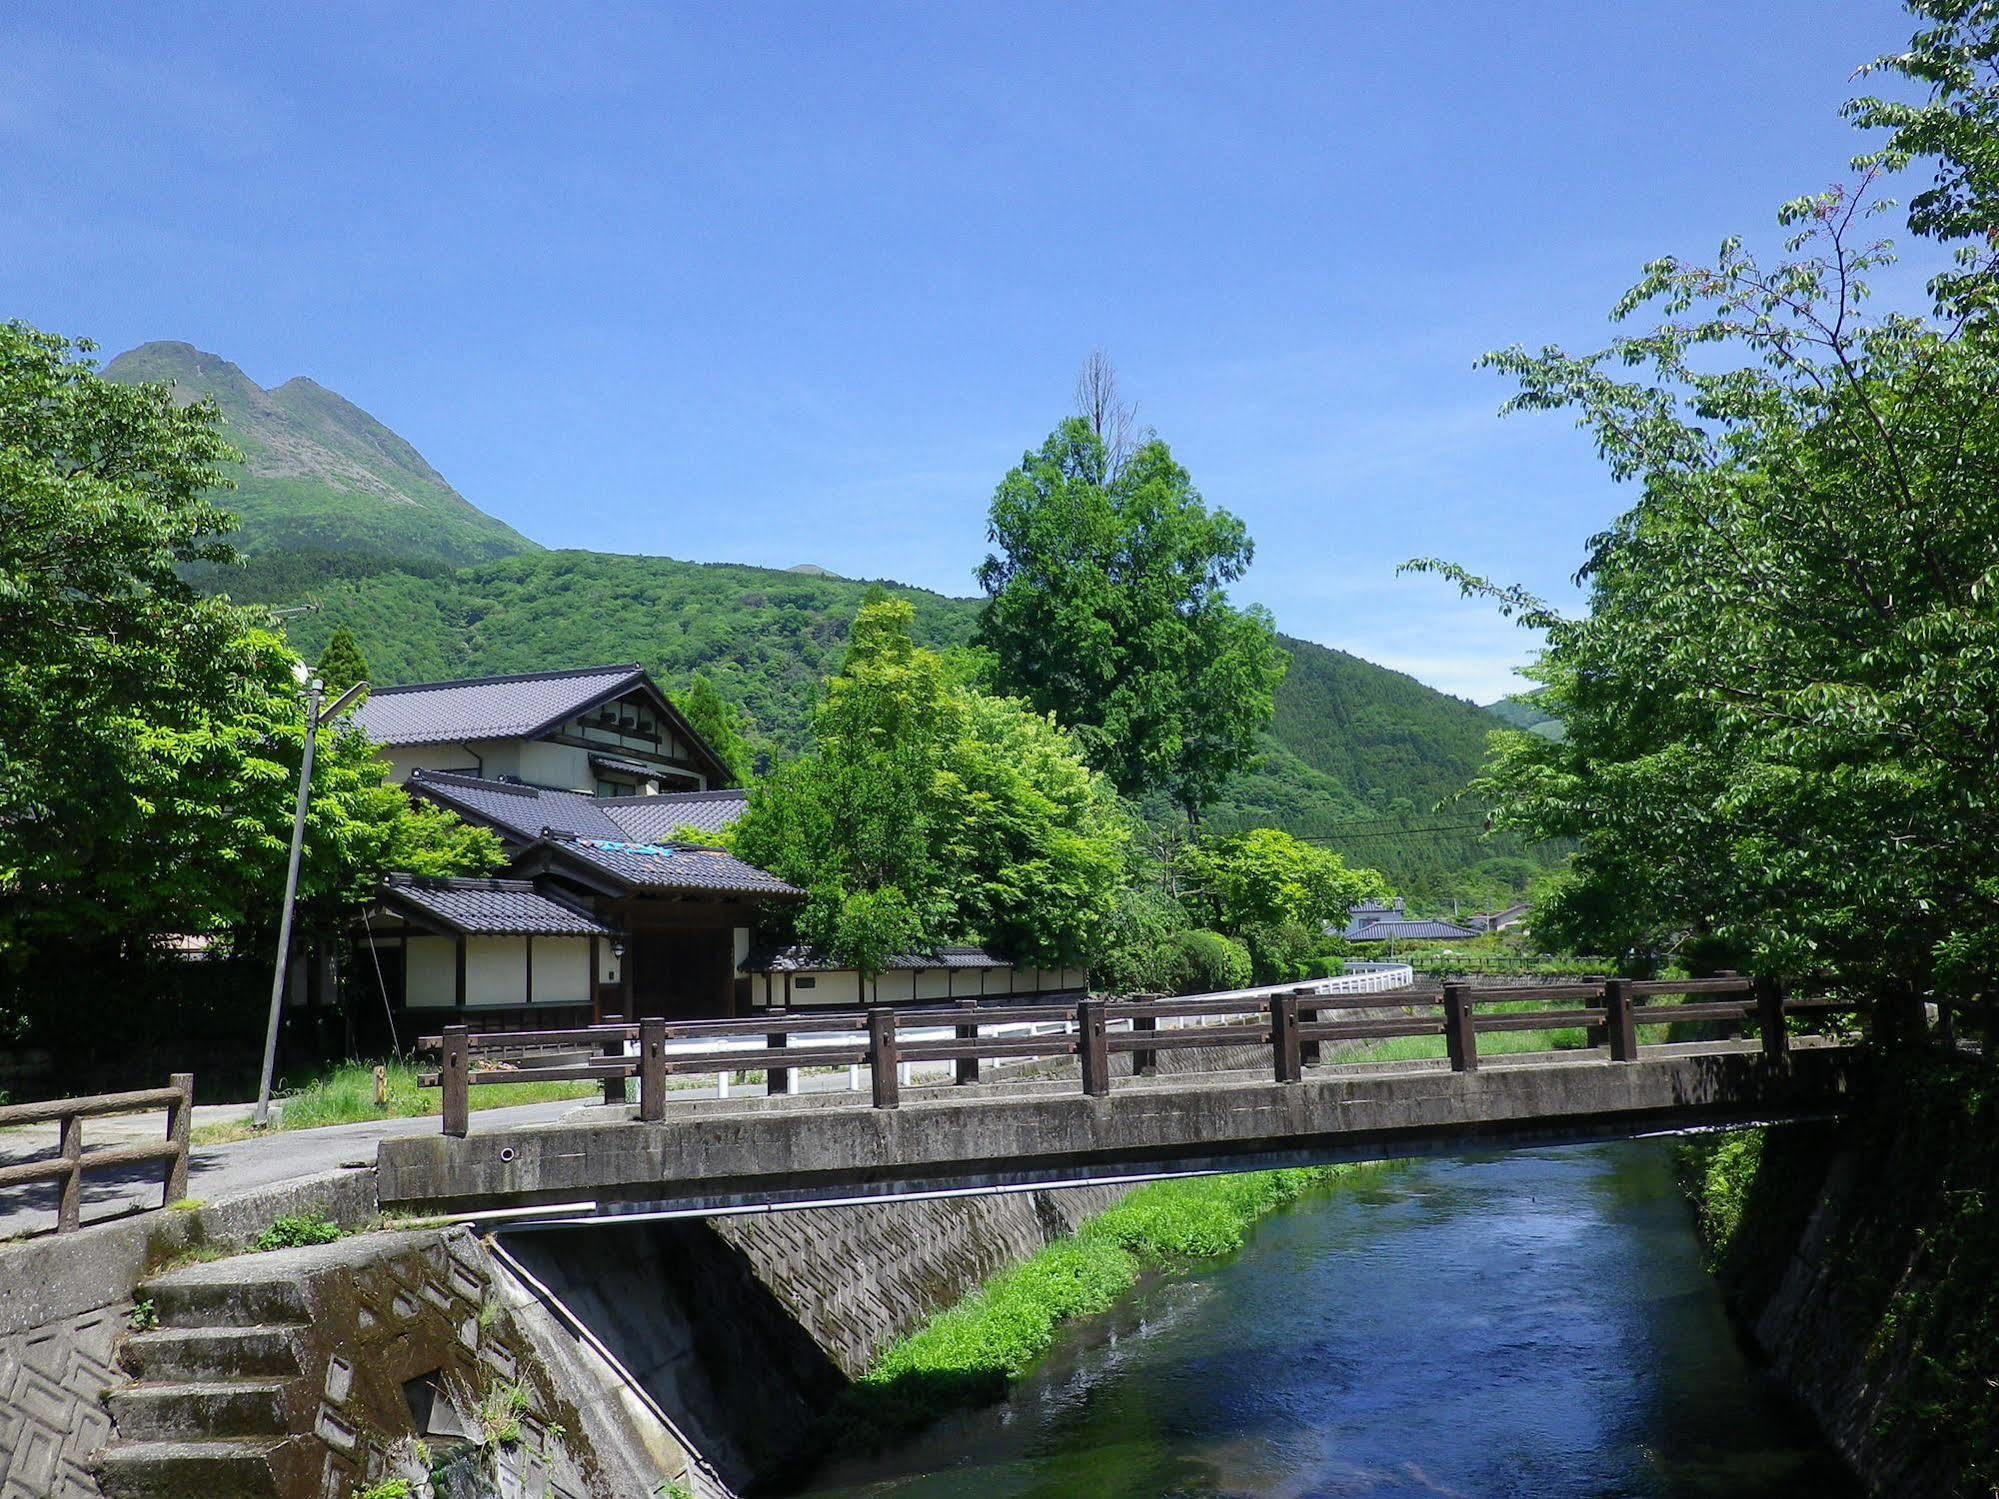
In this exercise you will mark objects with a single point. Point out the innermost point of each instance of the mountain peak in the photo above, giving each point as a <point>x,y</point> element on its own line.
<point>318,471</point>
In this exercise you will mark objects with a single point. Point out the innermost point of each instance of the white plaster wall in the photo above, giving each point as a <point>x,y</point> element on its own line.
<point>933,983</point>
<point>561,765</point>
<point>561,970</point>
<point>405,758</point>
<point>495,970</point>
<point>430,972</point>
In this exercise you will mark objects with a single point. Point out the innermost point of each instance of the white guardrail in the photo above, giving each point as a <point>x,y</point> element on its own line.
<point>1359,978</point>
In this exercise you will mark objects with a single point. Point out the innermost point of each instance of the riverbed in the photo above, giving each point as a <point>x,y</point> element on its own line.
<point>1532,1324</point>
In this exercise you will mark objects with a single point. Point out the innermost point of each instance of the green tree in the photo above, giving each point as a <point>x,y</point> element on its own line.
<point>341,664</point>
<point>149,737</point>
<point>1107,605</point>
<point>1779,708</point>
<point>1267,877</point>
<point>719,722</point>
<point>927,812</point>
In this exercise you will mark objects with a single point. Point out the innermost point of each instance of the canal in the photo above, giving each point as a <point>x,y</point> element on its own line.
<point>1533,1323</point>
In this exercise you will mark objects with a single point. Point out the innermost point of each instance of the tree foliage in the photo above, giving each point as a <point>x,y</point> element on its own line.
<point>1780,709</point>
<point>927,812</point>
<point>1107,605</point>
<point>150,737</point>
<point>341,664</point>
<point>719,722</point>
<point>1266,877</point>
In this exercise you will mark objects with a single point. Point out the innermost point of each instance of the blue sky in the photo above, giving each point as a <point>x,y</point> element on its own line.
<point>787,284</point>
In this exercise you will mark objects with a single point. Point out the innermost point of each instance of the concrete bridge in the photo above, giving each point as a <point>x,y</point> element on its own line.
<point>980,1135</point>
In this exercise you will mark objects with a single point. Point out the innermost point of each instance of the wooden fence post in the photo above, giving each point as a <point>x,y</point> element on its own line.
<point>1145,1063</point>
<point>1288,1065</point>
<point>967,1068</point>
<point>882,1057</point>
<point>614,1087</point>
<point>1770,1017</point>
<point>1598,1034</point>
<point>180,1117</point>
<point>1619,1021</point>
<point>1308,1014</point>
<point>457,1104</point>
<point>1460,1035</point>
<point>1091,1047</point>
<point>69,1209</point>
<point>777,1080</point>
<point>652,1068</point>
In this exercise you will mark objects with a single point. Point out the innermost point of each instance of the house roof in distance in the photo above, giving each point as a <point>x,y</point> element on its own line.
<point>496,908</point>
<point>490,707</point>
<point>1407,931</point>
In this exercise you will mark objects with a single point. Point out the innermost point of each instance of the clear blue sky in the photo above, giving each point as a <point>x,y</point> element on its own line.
<point>784,284</point>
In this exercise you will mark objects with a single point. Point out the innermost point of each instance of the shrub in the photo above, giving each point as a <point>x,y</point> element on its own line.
<point>1201,962</point>
<point>295,1230</point>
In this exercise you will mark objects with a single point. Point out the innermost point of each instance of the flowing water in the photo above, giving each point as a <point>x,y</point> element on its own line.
<point>1531,1324</point>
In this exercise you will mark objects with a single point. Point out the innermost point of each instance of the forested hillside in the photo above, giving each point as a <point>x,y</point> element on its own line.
<point>1357,754</point>
<point>339,511</point>
<point>318,471</point>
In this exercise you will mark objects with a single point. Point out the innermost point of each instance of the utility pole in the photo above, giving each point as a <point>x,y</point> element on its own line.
<point>314,692</point>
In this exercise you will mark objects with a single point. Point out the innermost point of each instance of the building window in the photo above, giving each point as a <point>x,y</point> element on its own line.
<point>805,983</point>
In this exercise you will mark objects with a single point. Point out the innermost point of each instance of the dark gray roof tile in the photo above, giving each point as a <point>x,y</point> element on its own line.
<point>519,812</point>
<point>662,868</point>
<point>505,908</point>
<point>487,707</point>
<point>652,819</point>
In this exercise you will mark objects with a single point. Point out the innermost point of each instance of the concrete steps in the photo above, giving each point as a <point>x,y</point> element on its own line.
<point>210,1410</point>
<point>171,1353</point>
<point>213,1468</point>
<point>192,1409</point>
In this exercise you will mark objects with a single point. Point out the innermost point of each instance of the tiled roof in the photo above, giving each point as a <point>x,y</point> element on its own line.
<point>488,707</point>
<point>501,908</point>
<point>801,959</point>
<point>626,767</point>
<point>520,812</point>
<point>1415,931</point>
<point>651,819</point>
<point>644,866</point>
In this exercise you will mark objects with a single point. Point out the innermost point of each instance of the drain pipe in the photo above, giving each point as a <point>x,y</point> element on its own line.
<point>710,1484</point>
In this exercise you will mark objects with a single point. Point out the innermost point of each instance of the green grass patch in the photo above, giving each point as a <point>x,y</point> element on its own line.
<point>345,1094</point>
<point>968,1354</point>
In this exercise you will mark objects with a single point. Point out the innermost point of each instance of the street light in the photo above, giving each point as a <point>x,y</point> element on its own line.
<point>314,690</point>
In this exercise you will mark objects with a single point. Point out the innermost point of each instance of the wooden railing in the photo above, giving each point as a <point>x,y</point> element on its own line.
<point>1290,1023</point>
<point>72,1161</point>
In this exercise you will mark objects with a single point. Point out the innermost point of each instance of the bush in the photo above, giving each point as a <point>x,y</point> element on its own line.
<point>1202,962</point>
<point>1136,954</point>
<point>1280,951</point>
<point>296,1230</point>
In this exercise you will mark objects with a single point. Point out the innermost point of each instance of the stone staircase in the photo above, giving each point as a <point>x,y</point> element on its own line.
<point>218,1385</point>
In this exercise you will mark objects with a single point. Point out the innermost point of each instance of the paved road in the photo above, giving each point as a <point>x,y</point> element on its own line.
<point>216,1172</point>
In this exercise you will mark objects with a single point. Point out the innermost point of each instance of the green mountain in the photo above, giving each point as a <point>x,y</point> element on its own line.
<point>341,512</point>
<point>319,472</point>
<point>1525,712</point>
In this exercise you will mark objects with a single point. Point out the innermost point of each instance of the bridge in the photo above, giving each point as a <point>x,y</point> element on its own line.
<point>1788,1057</point>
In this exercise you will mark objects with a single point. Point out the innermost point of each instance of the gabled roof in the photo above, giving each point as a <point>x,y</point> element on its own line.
<point>1408,931</point>
<point>517,707</point>
<point>518,813</point>
<point>489,707</point>
<point>622,867</point>
<point>496,908</point>
<point>653,819</point>
<point>802,959</point>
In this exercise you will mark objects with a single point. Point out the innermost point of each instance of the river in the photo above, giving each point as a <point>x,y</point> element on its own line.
<point>1532,1324</point>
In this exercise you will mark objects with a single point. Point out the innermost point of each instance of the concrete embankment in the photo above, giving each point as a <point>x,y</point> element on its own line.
<point>1863,1260</point>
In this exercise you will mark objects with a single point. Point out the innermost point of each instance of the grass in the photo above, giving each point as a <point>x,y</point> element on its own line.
<point>345,1094</point>
<point>968,1354</point>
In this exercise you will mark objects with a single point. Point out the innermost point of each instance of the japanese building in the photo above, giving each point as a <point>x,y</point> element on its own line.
<point>602,797</point>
